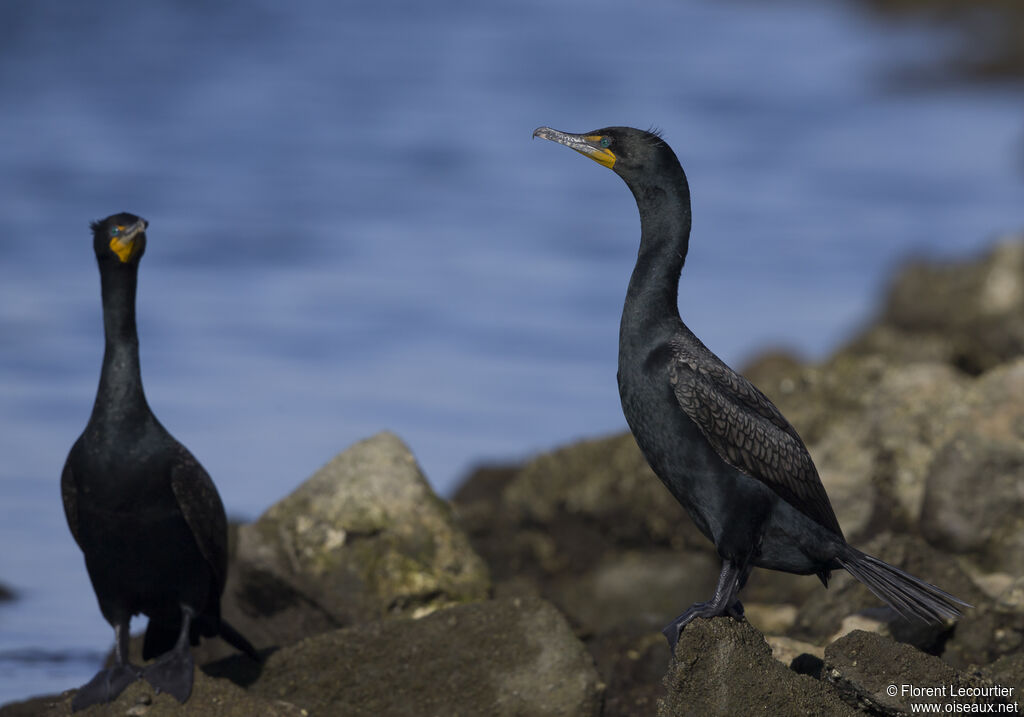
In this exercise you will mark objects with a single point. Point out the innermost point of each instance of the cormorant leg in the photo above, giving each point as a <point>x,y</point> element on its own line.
<point>109,683</point>
<point>724,602</point>
<point>172,671</point>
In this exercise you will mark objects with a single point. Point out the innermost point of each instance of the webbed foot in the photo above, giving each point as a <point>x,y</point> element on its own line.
<point>105,686</point>
<point>172,673</point>
<point>723,603</point>
<point>674,629</point>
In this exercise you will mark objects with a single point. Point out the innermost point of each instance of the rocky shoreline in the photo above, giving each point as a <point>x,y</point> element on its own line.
<point>541,589</point>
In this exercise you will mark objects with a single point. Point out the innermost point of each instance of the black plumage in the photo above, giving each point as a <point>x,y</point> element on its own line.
<point>143,510</point>
<point>717,443</point>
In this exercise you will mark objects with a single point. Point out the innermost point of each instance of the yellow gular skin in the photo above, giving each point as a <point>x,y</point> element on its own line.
<point>604,157</point>
<point>122,248</point>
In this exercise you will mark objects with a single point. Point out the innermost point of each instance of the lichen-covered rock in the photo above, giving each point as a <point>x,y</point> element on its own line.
<point>211,697</point>
<point>365,538</point>
<point>878,675</point>
<point>497,657</point>
<point>725,667</point>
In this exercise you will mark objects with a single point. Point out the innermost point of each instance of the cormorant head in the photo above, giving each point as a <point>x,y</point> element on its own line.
<point>119,239</point>
<point>637,156</point>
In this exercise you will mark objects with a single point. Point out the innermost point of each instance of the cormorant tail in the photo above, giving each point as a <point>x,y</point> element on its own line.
<point>234,638</point>
<point>911,597</point>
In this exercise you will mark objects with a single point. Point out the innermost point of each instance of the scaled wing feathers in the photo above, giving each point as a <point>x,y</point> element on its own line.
<point>747,430</point>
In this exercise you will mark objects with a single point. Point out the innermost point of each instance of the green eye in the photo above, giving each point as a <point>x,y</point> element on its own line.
<point>605,141</point>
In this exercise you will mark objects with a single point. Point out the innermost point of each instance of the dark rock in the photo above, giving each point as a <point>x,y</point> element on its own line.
<point>991,630</point>
<point>725,667</point>
<point>210,698</point>
<point>877,675</point>
<point>592,529</point>
<point>6,593</point>
<point>631,664</point>
<point>498,657</point>
<point>365,538</point>
<point>1008,672</point>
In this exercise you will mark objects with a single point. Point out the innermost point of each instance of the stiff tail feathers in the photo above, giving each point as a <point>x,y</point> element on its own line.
<point>234,638</point>
<point>911,597</point>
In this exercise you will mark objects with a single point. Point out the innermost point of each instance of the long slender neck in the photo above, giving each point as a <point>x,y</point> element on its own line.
<point>652,296</point>
<point>120,391</point>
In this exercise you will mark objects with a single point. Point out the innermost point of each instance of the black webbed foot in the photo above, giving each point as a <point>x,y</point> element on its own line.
<point>172,673</point>
<point>105,686</point>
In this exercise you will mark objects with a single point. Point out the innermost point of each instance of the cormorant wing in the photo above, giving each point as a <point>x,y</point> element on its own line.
<point>203,510</point>
<point>746,429</point>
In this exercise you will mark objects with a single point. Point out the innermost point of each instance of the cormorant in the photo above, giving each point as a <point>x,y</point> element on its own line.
<point>142,509</point>
<point>717,443</point>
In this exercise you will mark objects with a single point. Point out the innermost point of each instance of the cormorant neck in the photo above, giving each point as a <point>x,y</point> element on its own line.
<point>120,390</point>
<point>653,291</point>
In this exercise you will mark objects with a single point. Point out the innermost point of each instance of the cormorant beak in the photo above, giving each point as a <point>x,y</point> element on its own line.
<point>588,145</point>
<point>124,243</point>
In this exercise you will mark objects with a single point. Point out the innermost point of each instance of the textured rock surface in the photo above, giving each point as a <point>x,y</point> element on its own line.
<point>498,657</point>
<point>725,667</point>
<point>873,674</point>
<point>364,538</point>
<point>211,697</point>
<point>974,492</point>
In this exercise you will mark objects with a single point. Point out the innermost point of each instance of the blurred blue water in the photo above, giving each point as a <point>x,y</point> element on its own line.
<point>351,230</point>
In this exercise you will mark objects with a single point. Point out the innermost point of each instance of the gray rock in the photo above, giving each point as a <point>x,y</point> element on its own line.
<point>498,657</point>
<point>643,589</point>
<point>974,496</point>
<point>877,675</point>
<point>725,667</point>
<point>365,538</point>
<point>971,313</point>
